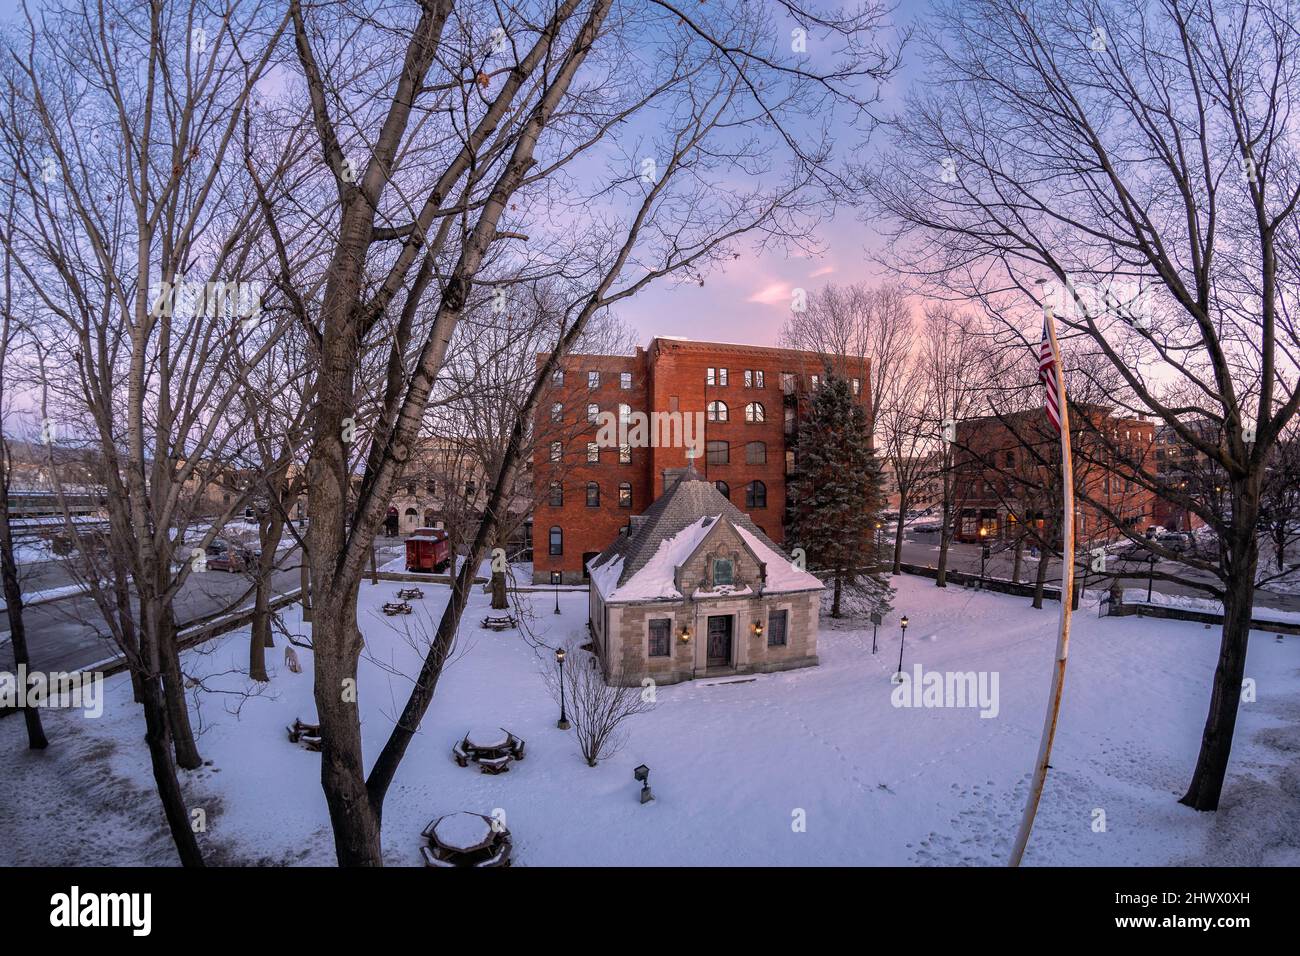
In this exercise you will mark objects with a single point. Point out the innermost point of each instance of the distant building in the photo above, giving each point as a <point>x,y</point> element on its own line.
<point>927,486</point>
<point>694,588</point>
<point>749,401</point>
<point>1004,476</point>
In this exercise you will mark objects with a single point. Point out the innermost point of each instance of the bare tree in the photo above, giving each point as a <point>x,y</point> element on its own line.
<point>599,699</point>
<point>560,84</point>
<point>131,224</point>
<point>1147,151</point>
<point>10,329</point>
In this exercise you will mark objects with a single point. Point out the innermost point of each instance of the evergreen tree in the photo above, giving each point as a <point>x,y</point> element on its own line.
<point>834,498</point>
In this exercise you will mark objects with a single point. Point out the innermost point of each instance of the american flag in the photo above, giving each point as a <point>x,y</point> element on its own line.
<point>1047,375</point>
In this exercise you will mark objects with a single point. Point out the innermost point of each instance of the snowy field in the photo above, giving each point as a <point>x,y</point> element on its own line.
<point>735,763</point>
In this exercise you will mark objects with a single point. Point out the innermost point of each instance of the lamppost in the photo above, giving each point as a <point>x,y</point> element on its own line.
<point>555,582</point>
<point>563,722</point>
<point>984,554</point>
<point>903,624</point>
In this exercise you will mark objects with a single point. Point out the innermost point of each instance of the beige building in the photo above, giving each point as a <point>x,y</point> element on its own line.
<point>693,588</point>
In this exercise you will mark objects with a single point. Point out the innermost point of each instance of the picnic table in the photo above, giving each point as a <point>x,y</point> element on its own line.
<point>492,748</point>
<point>464,838</point>
<point>407,594</point>
<point>503,623</point>
<point>395,607</point>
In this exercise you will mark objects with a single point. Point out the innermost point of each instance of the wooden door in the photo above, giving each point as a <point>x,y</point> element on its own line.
<point>719,646</point>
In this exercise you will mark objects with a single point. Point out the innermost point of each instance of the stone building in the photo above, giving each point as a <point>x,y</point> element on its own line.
<point>694,588</point>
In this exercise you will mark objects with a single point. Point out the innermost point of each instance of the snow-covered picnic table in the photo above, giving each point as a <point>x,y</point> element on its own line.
<point>492,748</point>
<point>464,838</point>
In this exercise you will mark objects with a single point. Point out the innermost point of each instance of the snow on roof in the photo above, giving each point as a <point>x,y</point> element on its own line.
<point>642,565</point>
<point>656,578</point>
<point>782,575</point>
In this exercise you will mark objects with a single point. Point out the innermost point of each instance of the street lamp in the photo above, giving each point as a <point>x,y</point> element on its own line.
<point>563,722</point>
<point>902,623</point>
<point>555,582</point>
<point>984,554</point>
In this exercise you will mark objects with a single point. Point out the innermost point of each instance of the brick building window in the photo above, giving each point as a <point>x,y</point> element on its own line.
<point>557,495</point>
<point>625,454</point>
<point>724,488</point>
<point>625,494</point>
<point>754,412</point>
<point>557,378</point>
<point>717,411</point>
<point>788,380</point>
<point>776,621</point>
<point>593,452</point>
<point>557,450</point>
<point>557,411</point>
<point>756,495</point>
<point>625,380</point>
<point>756,453</point>
<point>593,410</point>
<point>557,540</point>
<point>593,495</point>
<point>593,380</point>
<point>814,381</point>
<point>715,376</point>
<point>717,452</point>
<point>661,629</point>
<point>753,378</point>
<point>857,386</point>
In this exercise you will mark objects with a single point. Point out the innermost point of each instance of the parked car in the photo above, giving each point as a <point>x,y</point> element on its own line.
<point>222,556</point>
<point>1134,552</point>
<point>1174,540</point>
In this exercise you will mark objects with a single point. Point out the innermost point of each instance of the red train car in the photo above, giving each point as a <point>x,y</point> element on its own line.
<point>427,550</point>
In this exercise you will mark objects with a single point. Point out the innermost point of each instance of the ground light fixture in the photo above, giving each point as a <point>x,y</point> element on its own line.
<point>563,722</point>
<point>642,773</point>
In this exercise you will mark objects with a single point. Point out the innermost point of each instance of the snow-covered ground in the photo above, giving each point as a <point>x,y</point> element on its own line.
<point>736,764</point>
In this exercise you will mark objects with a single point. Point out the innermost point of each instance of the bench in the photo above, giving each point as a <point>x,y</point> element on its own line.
<point>308,735</point>
<point>495,765</point>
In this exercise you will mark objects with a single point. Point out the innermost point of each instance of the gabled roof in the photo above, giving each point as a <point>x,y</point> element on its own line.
<point>642,564</point>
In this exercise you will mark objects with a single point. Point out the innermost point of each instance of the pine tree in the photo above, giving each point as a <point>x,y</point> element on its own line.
<point>834,498</point>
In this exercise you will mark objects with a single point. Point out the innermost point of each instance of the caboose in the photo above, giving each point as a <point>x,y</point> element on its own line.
<point>427,550</point>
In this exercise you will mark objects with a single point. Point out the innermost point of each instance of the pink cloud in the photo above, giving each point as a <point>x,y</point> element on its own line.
<point>778,293</point>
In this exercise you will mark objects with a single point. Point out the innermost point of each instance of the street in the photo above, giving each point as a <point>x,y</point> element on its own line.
<point>922,548</point>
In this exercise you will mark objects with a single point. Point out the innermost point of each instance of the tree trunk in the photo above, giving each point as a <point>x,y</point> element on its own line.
<point>835,602</point>
<point>1044,557</point>
<point>163,620</point>
<point>499,601</point>
<point>1017,558</point>
<point>1238,605</point>
<point>36,739</point>
<point>261,638</point>
<point>898,536</point>
<point>945,536</point>
<point>157,737</point>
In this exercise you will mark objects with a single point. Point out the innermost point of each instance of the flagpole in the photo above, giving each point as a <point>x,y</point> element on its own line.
<point>1067,597</point>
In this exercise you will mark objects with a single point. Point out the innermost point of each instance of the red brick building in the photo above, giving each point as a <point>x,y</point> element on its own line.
<point>749,400</point>
<point>1003,479</point>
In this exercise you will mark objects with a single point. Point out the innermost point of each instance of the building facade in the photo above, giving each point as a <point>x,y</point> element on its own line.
<point>695,589</point>
<point>732,411</point>
<point>1007,475</point>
